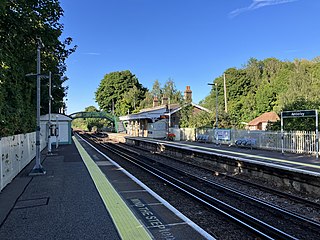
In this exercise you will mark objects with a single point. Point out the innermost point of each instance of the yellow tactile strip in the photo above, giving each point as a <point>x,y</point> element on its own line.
<point>126,223</point>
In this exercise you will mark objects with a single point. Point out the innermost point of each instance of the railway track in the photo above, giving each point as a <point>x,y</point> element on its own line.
<point>227,202</point>
<point>281,195</point>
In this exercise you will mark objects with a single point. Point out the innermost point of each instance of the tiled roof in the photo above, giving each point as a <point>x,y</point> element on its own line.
<point>171,106</point>
<point>266,117</point>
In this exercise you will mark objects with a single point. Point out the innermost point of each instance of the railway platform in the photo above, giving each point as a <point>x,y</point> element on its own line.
<point>85,195</point>
<point>294,161</point>
<point>298,172</point>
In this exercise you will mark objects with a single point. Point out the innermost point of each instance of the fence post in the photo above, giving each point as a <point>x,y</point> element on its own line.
<point>317,136</point>
<point>282,140</point>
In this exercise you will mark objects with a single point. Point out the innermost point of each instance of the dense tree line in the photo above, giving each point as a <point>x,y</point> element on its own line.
<point>121,93</point>
<point>21,23</point>
<point>123,90</point>
<point>259,86</point>
<point>267,85</point>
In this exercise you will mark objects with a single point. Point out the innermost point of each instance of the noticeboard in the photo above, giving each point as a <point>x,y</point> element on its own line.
<point>223,134</point>
<point>302,113</point>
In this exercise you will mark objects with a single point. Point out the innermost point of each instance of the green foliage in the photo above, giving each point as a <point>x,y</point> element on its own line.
<point>91,109</point>
<point>90,123</point>
<point>79,123</point>
<point>297,124</point>
<point>267,85</point>
<point>121,89</point>
<point>200,119</point>
<point>21,22</point>
<point>185,115</point>
<point>169,90</point>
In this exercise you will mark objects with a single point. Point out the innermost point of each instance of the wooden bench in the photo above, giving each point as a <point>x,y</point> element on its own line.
<point>202,138</point>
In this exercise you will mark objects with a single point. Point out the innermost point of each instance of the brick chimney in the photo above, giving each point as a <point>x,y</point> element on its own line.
<point>164,100</point>
<point>188,94</point>
<point>155,101</point>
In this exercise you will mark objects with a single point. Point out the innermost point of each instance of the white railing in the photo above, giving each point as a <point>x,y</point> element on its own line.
<point>16,152</point>
<point>294,141</point>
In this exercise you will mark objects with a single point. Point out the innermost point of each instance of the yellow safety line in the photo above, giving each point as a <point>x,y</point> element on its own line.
<point>250,155</point>
<point>126,223</point>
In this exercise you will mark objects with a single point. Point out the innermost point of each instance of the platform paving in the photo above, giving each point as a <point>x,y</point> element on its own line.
<point>63,204</point>
<point>158,216</point>
<point>71,202</point>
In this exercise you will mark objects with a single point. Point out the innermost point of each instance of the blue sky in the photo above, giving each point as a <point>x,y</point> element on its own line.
<point>189,41</point>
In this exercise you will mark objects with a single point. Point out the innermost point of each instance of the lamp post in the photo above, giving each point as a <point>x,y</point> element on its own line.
<point>49,123</point>
<point>169,114</point>
<point>38,169</point>
<point>216,124</point>
<point>216,88</point>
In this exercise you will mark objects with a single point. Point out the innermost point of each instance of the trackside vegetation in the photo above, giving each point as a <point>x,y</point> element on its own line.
<point>21,23</point>
<point>259,86</point>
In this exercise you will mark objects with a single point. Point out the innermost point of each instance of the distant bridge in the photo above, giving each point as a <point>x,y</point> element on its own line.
<point>105,115</point>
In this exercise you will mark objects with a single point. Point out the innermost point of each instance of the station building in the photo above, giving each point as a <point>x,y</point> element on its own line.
<point>155,122</point>
<point>61,130</point>
<point>261,122</point>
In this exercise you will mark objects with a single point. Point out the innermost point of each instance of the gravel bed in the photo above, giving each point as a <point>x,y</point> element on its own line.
<point>206,219</point>
<point>215,224</point>
<point>214,175</point>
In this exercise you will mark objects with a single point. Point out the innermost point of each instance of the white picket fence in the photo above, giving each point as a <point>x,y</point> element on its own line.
<point>294,141</point>
<point>16,152</point>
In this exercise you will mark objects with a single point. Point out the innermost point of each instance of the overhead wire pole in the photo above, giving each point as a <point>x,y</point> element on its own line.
<point>216,89</point>
<point>38,169</point>
<point>216,85</point>
<point>169,114</point>
<point>49,123</point>
<point>317,134</point>
<point>225,93</point>
<point>216,124</point>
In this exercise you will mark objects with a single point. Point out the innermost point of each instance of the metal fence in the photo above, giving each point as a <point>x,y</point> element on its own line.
<point>294,141</point>
<point>16,152</point>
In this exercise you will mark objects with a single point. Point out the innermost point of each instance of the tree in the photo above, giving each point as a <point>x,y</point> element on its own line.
<point>170,91</point>
<point>113,89</point>
<point>156,90</point>
<point>90,123</point>
<point>21,23</point>
<point>297,124</point>
<point>201,119</point>
<point>266,85</point>
<point>185,115</point>
<point>91,109</point>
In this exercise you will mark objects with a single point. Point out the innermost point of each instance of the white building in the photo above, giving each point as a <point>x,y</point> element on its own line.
<point>63,125</point>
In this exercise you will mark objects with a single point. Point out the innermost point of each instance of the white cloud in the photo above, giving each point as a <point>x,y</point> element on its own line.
<point>257,4</point>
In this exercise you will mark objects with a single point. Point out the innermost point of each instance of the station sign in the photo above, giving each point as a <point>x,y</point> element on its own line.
<point>302,113</point>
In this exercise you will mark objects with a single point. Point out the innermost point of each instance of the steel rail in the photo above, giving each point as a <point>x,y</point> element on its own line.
<point>259,227</point>
<point>229,189</point>
<point>223,187</point>
<point>270,190</point>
